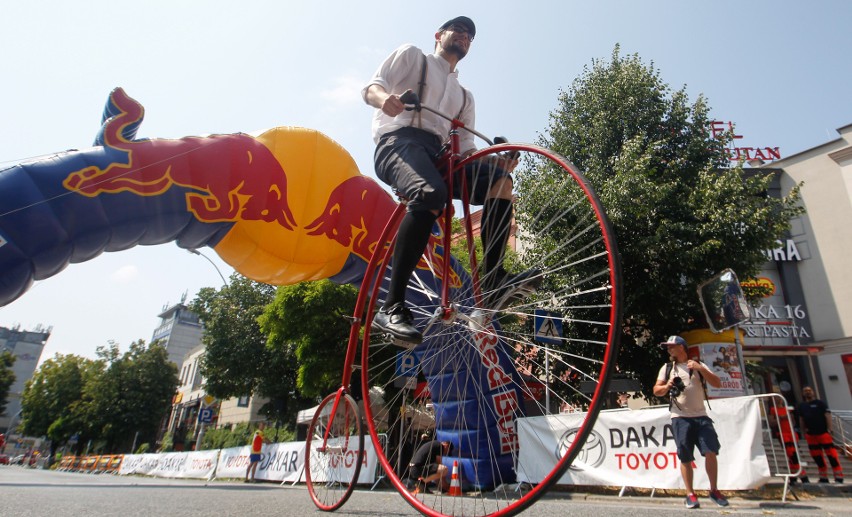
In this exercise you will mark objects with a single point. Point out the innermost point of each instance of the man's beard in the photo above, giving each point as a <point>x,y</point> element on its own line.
<point>455,48</point>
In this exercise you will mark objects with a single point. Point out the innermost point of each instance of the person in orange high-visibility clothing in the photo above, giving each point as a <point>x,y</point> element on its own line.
<point>781,429</point>
<point>815,418</point>
<point>254,457</point>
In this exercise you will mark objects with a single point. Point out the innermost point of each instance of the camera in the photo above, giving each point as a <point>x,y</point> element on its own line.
<point>677,387</point>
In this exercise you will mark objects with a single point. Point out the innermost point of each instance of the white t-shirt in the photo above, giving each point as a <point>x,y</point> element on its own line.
<point>442,91</point>
<point>690,403</point>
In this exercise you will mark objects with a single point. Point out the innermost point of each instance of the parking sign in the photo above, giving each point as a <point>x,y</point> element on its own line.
<point>407,364</point>
<point>205,416</point>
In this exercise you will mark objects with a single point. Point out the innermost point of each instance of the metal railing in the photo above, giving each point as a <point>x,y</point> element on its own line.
<point>842,431</point>
<point>776,420</point>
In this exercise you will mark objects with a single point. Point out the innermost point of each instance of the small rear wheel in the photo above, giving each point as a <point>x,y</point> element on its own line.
<point>333,452</point>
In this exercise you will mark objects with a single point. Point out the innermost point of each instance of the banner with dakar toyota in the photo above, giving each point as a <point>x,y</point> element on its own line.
<point>285,462</point>
<point>278,462</point>
<point>636,448</point>
<point>194,464</point>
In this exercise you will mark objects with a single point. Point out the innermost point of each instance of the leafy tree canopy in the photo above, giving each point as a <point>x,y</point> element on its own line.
<point>235,358</point>
<point>680,213</point>
<point>132,394</point>
<point>310,319</point>
<point>53,401</point>
<point>7,377</point>
<point>107,400</point>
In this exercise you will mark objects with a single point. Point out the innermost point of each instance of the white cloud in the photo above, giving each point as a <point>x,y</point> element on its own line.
<point>347,90</point>
<point>125,274</point>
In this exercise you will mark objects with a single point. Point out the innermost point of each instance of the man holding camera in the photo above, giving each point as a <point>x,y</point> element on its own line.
<point>683,380</point>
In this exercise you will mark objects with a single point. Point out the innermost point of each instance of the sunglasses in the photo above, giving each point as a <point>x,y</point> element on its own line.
<point>461,29</point>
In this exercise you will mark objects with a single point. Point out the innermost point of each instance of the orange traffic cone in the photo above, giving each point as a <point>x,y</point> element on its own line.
<point>455,485</point>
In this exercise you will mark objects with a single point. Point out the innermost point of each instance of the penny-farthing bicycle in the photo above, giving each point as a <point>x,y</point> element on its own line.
<point>496,384</point>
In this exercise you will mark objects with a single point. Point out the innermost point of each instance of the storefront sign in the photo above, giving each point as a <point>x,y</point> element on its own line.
<point>735,154</point>
<point>785,251</point>
<point>759,282</point>
<point>770,321</point>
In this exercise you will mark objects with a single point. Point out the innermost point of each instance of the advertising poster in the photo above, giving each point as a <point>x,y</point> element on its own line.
<point>724,361</point>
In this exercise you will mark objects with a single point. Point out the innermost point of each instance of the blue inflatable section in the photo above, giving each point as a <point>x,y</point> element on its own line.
<point>475,390</point>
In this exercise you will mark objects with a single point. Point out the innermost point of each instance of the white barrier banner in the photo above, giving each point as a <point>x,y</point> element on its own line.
<point>196,464</point>
<point>341,468</point>
<point>138,464</point>
<point>233,462</point>
<point>637,448</point>
<point>278,462</point>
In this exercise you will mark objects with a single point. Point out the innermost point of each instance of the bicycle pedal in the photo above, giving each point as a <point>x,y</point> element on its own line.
<point>390,339</point>
<point>400,343</point>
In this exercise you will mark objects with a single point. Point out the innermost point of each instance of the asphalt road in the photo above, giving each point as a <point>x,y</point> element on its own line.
<point>31,492</point>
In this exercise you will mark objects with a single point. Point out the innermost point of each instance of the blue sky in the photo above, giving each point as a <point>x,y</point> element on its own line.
<point>777,69</point>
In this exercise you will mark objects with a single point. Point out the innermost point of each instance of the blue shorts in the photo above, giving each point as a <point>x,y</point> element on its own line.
<point>692,432</point>
<point>254,457</point>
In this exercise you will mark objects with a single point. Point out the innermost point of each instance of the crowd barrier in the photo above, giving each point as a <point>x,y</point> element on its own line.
<point>636,448</point>
<point>628,448</point>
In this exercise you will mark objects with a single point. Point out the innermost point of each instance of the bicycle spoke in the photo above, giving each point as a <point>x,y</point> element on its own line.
<point>482,373</point>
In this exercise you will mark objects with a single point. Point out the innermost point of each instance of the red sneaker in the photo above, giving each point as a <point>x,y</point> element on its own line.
<point>692,501</point>
<point>718,498</point>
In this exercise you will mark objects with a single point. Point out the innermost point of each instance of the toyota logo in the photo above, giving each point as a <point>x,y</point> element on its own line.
<point>591,455</point>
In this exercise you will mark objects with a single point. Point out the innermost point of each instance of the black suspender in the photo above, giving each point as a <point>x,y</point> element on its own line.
<point>421,85</point>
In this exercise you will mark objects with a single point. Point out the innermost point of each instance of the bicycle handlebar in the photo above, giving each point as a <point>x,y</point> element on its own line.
<point>412,102</point>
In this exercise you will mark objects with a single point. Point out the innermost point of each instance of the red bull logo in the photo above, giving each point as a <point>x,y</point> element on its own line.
<point>352,217</point>
<point>232,177</point>
<point>261,185</point>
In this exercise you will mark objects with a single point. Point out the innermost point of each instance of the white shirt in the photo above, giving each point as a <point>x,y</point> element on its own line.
<point>690,403</point>
<point>442,92</point>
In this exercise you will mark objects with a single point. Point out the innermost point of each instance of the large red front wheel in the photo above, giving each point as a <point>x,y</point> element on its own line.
<point>516,389</point>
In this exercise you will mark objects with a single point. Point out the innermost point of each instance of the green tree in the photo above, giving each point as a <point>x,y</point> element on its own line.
<point>7,377</point>
<point>53,402</point>
<point>132,395</point>
<point>680,213</point>
<point>309,321</point>
<point>235,357</point>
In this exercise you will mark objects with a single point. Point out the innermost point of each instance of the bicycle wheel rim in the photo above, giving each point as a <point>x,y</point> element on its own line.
<point>332,464</point>
<point>594,273</point>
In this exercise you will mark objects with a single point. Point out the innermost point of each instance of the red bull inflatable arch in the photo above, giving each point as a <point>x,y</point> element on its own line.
<point>282,206</point>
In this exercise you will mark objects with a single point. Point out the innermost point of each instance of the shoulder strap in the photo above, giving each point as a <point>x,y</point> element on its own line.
<point>421,85</point>
<point>669,367</point>
<point>464,103</point>
<point>704,389</point>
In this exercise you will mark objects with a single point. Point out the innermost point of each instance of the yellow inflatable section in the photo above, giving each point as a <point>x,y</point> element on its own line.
<point>315,165</point>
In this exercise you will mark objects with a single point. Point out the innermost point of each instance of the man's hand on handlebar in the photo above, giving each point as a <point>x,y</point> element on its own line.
<point>392,106</point>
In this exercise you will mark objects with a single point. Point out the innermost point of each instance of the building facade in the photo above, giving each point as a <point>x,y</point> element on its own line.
<point>807,324</point>
<point>179,331</point>
<point>27,347</point>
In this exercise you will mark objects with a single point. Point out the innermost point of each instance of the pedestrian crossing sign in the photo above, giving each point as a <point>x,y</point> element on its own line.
<point>548,327</point>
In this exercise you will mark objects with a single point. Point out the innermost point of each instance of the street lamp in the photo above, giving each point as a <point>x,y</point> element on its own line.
<point>196,252</point>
